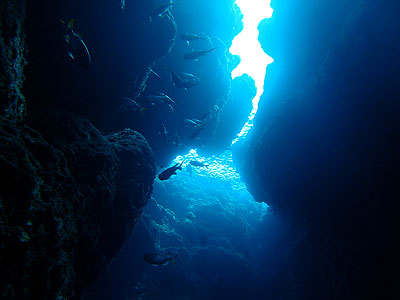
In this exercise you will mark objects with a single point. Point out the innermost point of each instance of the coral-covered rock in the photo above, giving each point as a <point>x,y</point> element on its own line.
<point>70,198</point>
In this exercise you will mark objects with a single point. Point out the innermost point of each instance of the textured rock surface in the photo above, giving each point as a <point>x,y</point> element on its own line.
<point>69,202</point>
<point>12,59</point>
<point>324,152</point>
<point>72,195</point>
<point>214,227</point>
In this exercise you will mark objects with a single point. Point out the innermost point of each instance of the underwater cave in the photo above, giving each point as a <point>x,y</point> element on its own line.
<point>199,150</point>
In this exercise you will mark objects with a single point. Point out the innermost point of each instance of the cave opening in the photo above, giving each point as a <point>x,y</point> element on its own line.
<point>203,213</point>
<point>254,60</point>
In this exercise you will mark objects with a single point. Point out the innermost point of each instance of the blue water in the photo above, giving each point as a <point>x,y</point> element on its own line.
<point>323,154</point>
<point>205,215</point>
<point>212,222</point>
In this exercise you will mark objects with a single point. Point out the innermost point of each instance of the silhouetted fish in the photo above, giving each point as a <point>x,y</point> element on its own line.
<point>189,37</point>
<point>128,102</point>
<point>194,55</point>
<point>155,74</point>
<point>183,80</point>
<point>160,10</point>
<point>167,173</point>
<point>161,97</point>
<point>198,164</point>
<point>76,47</point>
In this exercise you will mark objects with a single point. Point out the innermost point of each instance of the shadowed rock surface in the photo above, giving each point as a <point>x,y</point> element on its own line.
<point>324,151</point>
<point>71,199</point>
<point>72,194</point>
<point>12,59</point>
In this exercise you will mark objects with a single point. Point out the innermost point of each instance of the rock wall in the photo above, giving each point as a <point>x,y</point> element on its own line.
<point>70,198</point>
<point>12,59</point>
<point>73,194</point>
<point>324,148</point>
<point>70,195</point>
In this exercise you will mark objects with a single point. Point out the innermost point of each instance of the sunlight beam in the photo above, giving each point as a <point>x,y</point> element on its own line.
<point>254,61</point>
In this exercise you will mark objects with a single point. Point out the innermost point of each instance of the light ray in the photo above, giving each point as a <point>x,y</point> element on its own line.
<point>254,61</point>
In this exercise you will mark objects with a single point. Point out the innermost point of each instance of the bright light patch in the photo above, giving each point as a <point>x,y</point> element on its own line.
<point>221,166</point>
<point>218,170</point>
<point>253,59</point>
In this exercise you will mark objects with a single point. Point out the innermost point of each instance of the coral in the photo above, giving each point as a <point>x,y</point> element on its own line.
<point>12,61</point>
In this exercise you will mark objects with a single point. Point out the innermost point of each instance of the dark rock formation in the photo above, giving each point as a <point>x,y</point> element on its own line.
<point>234,114</point>
<point>324,152</point>
<point>70,198</point>
<point>12,59</point>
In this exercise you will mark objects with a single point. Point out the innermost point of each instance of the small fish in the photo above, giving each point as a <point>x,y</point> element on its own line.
<point>155,74</point>
<point>198,121</point>
<point>176,80</point>
<point>190,37</point>
<point>76,47</point>
<point>197,164</point>
<point>160,10</point>
<point>193,123</point>
<point>132,104</point>
<point>194,55</point>
<point>159,258</point>
<point>161,97</point>
<point>167,173</point>
<point>167,99</point>
<point>183,80</point>
<point>123,4</point>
